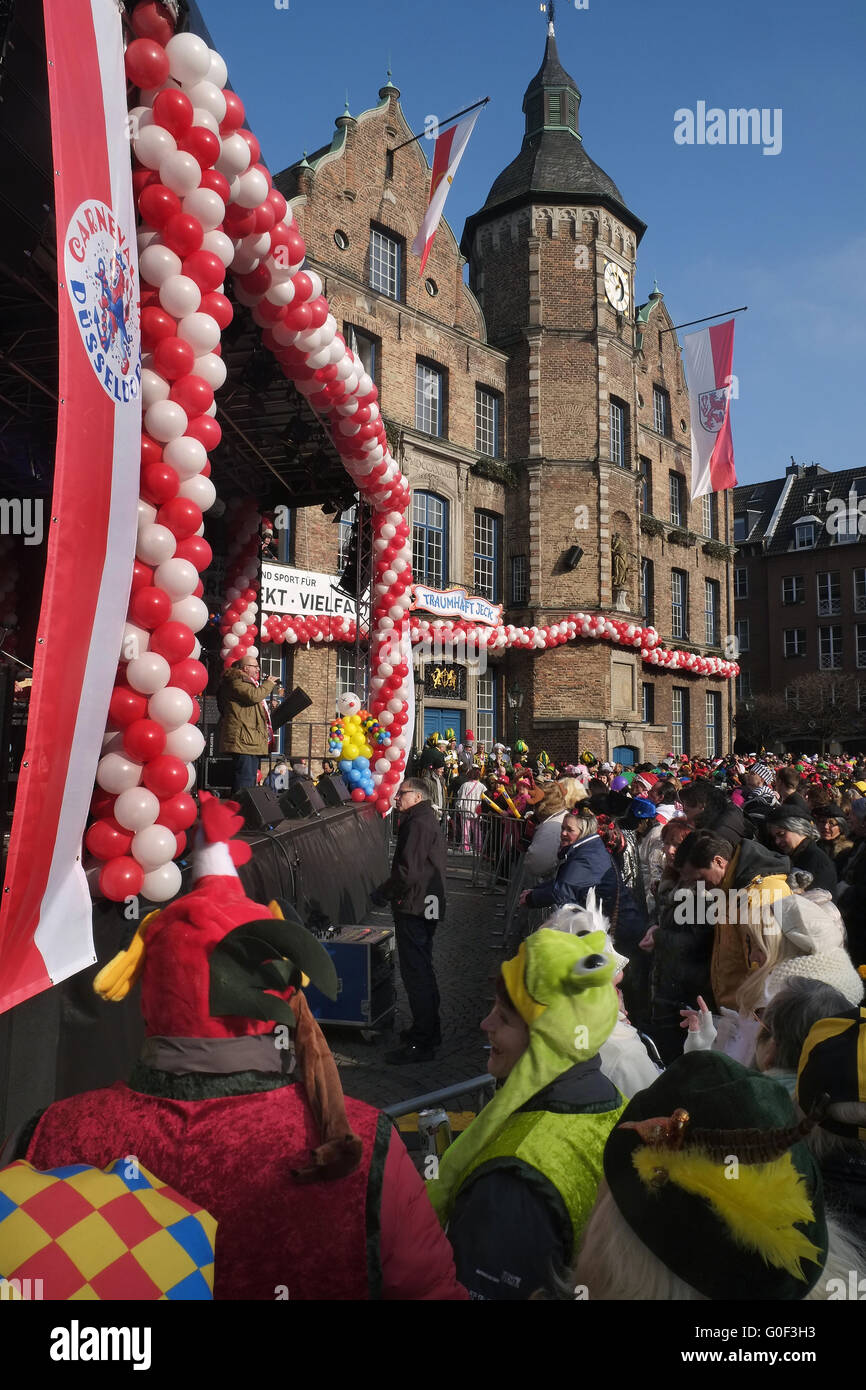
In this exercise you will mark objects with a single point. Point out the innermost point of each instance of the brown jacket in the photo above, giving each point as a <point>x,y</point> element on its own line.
<point>243,726</point>
<point>763,871</point>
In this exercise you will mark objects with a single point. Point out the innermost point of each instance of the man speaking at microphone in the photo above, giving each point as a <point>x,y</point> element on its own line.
<point>245,721</point>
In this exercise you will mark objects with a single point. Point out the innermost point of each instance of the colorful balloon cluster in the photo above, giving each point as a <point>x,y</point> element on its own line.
<point>237,622</point>
<point>355,738</point>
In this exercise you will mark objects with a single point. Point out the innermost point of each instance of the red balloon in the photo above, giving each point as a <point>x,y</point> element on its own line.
<point>151,452</point>
<point>142,575</point>
<point>156,203</point>
<point>178,812</point>
<point>358,795</point>
<point>173,110</point>
<point>149,297</point>
<point>297,246</point>
<point>239,221</point>
<point>303,287</point>
<point>121,877</point>
<point>319,311</point>
<point>206,269</point>
<point>102,803</point>
<point>146,64</point>
<point>219,307</point>
<point>125,706</point>
<point>144,739</point>
<point>271,313</point>
<point>106,839</point>
<point>151,20</point>
<point>156,325</point>
<point>141,179</point>
<point>192,393</point>
<point>195,715</point>
<point>206,430</point>
<point>180,841</point>
<point>235,114</point>
<point>182,517</point>
<point>165,775</point>
<point>202,144</point>
<point>278,203</point>
<point>196,550</point>
<point>183,233</point>
<point>172,640</point>
<point>173,358</point>
<point>297,318</point>
<point>216,182</point>
<point>198,591</point>
<point>159,483</point>
<point>255,147</point>
<point>265,218</point>
<point>150,606</point>
<point>189,675</point>
<point>256,281</point>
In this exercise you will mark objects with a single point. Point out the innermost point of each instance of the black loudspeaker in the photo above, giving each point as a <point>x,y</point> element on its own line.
<point>260,807</point>
<point>290,708</point>
<point>332,789</point>
<point>301,799</point>
<point>572,557</point>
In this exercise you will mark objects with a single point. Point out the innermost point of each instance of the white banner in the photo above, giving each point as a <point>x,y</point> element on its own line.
<point>288,590</point>
<point>455,603</point>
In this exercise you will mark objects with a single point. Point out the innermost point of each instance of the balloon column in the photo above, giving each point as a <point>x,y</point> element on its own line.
<point>356,737</point>
<point>237,622</point>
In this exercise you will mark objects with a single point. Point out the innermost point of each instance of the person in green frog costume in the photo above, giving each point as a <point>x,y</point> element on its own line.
<point>516,1189</point>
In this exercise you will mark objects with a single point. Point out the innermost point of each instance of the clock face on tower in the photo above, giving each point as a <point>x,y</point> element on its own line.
<point>616,287</point>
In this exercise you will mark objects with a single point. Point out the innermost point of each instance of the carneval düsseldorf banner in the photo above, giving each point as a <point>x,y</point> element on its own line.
<point>45,915</point>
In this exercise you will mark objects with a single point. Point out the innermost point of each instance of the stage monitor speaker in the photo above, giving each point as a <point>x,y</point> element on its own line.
<point>260,807</point>
<point>333,789</point>
<point>301,798</point>
<point>291,707</point>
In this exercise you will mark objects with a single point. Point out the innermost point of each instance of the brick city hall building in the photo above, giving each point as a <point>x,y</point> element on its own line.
<point>538,413</point>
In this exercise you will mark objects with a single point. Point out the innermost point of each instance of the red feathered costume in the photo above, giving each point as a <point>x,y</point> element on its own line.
<point>315,1194</point>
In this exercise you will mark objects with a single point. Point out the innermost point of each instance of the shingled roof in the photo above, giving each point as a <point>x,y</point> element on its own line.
<point>804,494</point>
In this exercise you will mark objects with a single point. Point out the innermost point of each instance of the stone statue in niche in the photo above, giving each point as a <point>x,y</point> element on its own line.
<point>619,556</point>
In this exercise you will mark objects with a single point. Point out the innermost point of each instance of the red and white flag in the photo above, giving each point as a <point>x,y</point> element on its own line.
<point>46,914</point>
<point>709,357</point>
<point>446,157</point>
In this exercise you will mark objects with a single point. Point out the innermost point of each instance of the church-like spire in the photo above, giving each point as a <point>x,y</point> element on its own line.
<point>552,98</point>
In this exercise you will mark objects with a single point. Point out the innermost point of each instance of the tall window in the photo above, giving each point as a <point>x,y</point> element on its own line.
<point>429,398</point>
<point>793,589</point>
<point>430,539</point>
<point>744,686</point>
<point>646,591</point>
<point>347,524</point>
<point>741,582</point>
<point>679,617</point>
<point>711,611</point>
<point>740,531</point>
<point>661,411</point>
<point>519,581</point>
<point>860,591</point>
<point>829,594</point>
<point>648,703</point>
<point>714,723</point>
<point>619,433</point>
<point>741,632</point>
<point>366,346</point>
<point>708,514</point>
<point>486,422</point>
<point>485,722</point>
<point>795,641</point>
<point>679,719</point>
<point>675,486</point>
<point>861,645</point>
<point>646,485</point>
<point>385,267</point>
<point>829,648</point>
<point>804,535</point>
<point>486,556</point>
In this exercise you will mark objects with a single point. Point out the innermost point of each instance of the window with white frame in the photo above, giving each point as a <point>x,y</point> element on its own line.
<point>829,594</point>
<point>679,719</point>
<point>346,678</point>
<point>859,591</point>
<point>794,589</point>
<point>367,348</point>
<point>679,582</point>
<point>618,433</point>
<point>714,723</point>
<point>795,641</point>
<point>661,411</point>
<point>385,257</point>
<point>519,580</point>
<point>486,422</point>
<point>429,394</point>
<point>675,491</point>
<point>741,632</point>
<point>346,527</point>
<point>485,721</point>
<point>861,645</point>
<point>708,514</point>
<point>830,648</point>
<point>486,555</point>
<point>711,611</point>
<point>741,582</point>
<point>430,539</point>
<point>804,535</point>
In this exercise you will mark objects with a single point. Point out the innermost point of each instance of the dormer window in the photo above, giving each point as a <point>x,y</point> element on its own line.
<point>804,535</point>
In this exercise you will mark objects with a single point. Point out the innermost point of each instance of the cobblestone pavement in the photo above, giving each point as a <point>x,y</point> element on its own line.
<point>466,955</point>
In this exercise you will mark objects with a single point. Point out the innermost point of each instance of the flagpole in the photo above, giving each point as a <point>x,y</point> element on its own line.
<point>447,121</point>
<point>741,310</point>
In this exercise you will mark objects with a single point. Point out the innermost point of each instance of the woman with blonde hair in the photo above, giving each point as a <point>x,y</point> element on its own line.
<point>800,935</point>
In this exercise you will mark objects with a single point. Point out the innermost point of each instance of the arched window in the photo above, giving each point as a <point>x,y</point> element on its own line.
<point>430,539</point>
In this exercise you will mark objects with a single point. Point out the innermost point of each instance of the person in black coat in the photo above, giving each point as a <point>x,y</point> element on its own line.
<point>795,835</point>
<point>416,892</point>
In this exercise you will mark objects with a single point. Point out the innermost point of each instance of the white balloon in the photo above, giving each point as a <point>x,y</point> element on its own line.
<point>136,808</point>
<point>153,388</point>
<point>153,846</point>
<point>180,172</point>
<point>258,243</point>
<point>235,156</point>
<point>314,359</point>
<point>148,673</point>
<point>230,640</point>
<point>190,781</point>
<point>155,544</point>
<point>191,611</point>
<point>207,206</point>
<point>154,144</point>
<point>212,409</point>
<point>163,883</point>
<point>253,189</point>
<point>220,245</point>
<point>201,331</point>
<point>179,296</point>
<point>195,654</point>
<point>282,293</point>
<point>157,263</point>
<point>209,97</point>
<point>189,58</point>
<point>146,513</point>
<point>147,238</point>
<point>177,577</point>
<point>170,707</point>
<point>317,289</point>
<point>203,118</point>
<point>113,742</point>
<point>252,651</point>
<point>165,420</point>
<point>135,641</point>
<point>211,369</point>
<point>218,73</point>
<point>115,773</point>
<point>199,490</point>
<point>185,742</point>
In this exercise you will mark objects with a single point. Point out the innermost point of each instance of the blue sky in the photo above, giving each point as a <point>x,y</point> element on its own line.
<point>727,225</point>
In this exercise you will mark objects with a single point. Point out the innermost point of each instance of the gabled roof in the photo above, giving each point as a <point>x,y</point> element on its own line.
<point>813,495</point>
